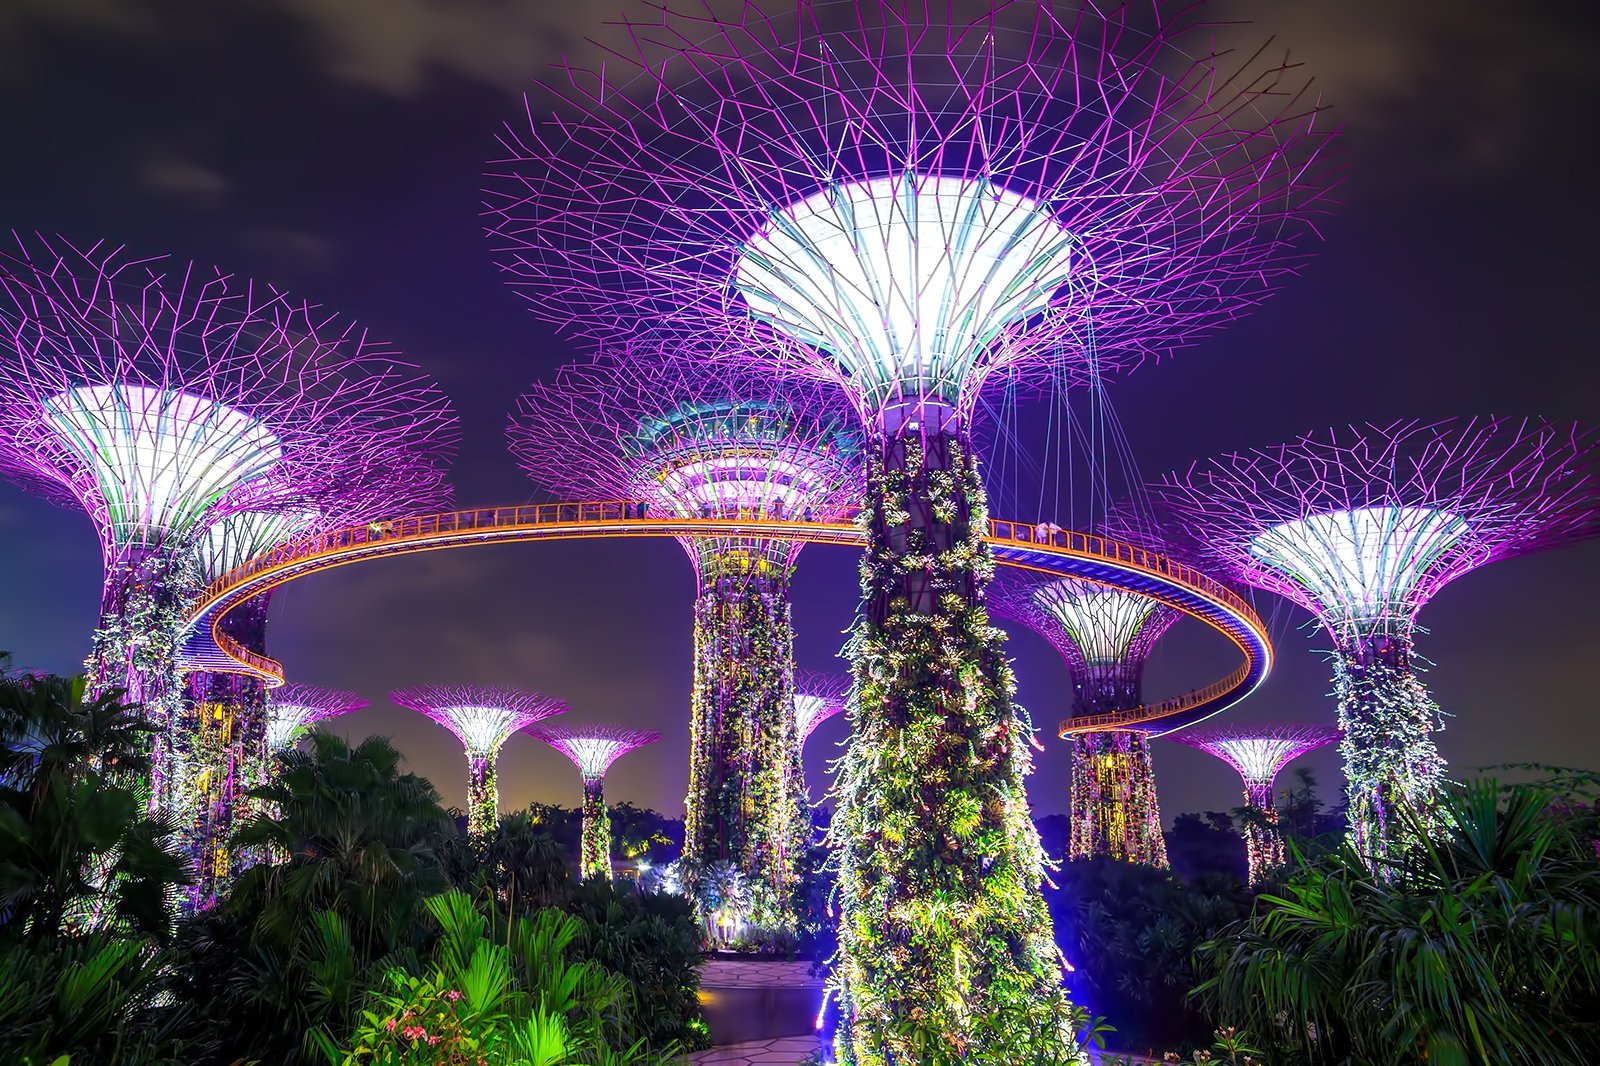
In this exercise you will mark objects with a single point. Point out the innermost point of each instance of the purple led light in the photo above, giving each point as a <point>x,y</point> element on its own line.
<point>818,697</point>
<point>693,439</point>
<point>593,748</point>
<point>1362,525</point>
<point>294,708</point>
<point>907,213</point>
<point>482,717</point>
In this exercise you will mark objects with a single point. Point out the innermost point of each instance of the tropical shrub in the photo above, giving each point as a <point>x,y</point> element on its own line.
<point>1130,932</point>
<point>1480,944</point>
<point>495,997</point>
<point>652,941</point>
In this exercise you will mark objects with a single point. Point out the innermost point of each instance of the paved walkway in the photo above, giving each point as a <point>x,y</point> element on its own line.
<point>781,1051</point>
<point>743,973</point>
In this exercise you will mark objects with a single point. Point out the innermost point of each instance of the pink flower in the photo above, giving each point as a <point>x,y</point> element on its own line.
<point>389,1025</point>
<point>432,1040</point>
<point>452,995</point>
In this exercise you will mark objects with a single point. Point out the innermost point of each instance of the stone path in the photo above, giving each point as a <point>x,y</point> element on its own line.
<point>781,1051</point>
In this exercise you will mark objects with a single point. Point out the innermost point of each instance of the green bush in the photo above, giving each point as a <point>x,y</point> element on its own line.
<point>1479,944</point>
<point>652,941</point>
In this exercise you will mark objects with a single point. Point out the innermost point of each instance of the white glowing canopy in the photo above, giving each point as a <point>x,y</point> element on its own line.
<point>286,721</point>
<point>241,537</point>
<point>905,281</point>
<point>483,730</point>
<point>811,711</point>
<point>159,458</point>
<point>1258,758</point>
<point>594,755</point>
<point>1101,622</point>
<point>1364,565</point>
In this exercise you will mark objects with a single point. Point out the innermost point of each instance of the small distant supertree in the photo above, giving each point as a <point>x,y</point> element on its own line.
<point>483,719</point>
<point>1362,526</point>
<point>817,697</point>
<point>593,749</point>
<point>1258,753</point>
<point>166,400</point>
<point>909,200</point>
<point>699,438</point>
<point>1105,635</point>
<point>294,708</point>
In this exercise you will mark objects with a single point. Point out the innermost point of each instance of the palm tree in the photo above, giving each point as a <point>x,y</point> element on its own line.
<point>1484,946</point>
<point>75,841</point>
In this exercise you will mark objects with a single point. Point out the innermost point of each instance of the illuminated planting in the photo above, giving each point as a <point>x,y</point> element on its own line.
<point>1258,753</point>
<point>1105,635</point>
<point>164,400</point>
<point>1362,526</point>
<point>593,749</point>
<point>907,206</point>
<point>483,719</point>
<point>693,436</point>
<point>294,708</point>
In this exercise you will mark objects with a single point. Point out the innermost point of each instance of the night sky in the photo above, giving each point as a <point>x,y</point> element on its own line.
<point>334,147</point>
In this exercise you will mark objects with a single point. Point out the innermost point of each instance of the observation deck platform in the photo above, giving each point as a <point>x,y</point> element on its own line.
<point>1046,550</point>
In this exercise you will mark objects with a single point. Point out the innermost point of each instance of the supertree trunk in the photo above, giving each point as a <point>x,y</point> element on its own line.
<point>483,794</point>
<point>220,740</point>
<point>594,859</point>
<point>1115,811</point>
<point>135,649</point>
<point>741,803</point>
<point>1263,844</point>
<point>945,944</point>
<point>1390,760</point>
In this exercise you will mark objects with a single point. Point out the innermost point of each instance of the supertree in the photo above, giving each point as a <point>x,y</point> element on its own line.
<point>1105,635</point>
<point>1258,753</point>
<point>817,697</point>
<point>294,708</point>
<point>702,438</point>
<point>593,749</point>
<point>1361,526</point>
<point>908,203</point>
<point>483,719</point>
<point>170,402</point>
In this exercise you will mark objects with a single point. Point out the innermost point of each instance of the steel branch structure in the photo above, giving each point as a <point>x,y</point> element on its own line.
<point>907,202</point>
<point>593,749</point>
<point>172,403</point>
<point>1105,636</point>
<point>1362,526</point>
<point>818,697</point>
<point>294,708</point>
<point>1258,753</point>
<point>707,439</point>
<point>483,719</point>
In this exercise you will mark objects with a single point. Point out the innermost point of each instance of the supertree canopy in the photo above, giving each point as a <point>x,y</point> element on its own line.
<point>1105,635</point>
<point>483,719</point>
<point>1258,753</point>
<point>593,749</point>
<point>702,438</point>
<point>907,203</point>
<point>166,400</point>
<point>294,708</point>
<point>1361,526</point>
<point>818,697</point>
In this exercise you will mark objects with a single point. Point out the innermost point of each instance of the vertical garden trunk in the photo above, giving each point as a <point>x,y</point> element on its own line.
<point>742,806</point>
<point>135,649</point>
<point>945,945</point>
<point>483,794</point>
<point>220,747</point>
<point>1390,760</point>
<point>1114,807</point>
<point>594,851</point>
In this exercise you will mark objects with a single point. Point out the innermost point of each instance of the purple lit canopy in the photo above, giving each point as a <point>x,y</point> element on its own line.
<point>293,708</point>
<point>592,748</point>
<point>909,204</point>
